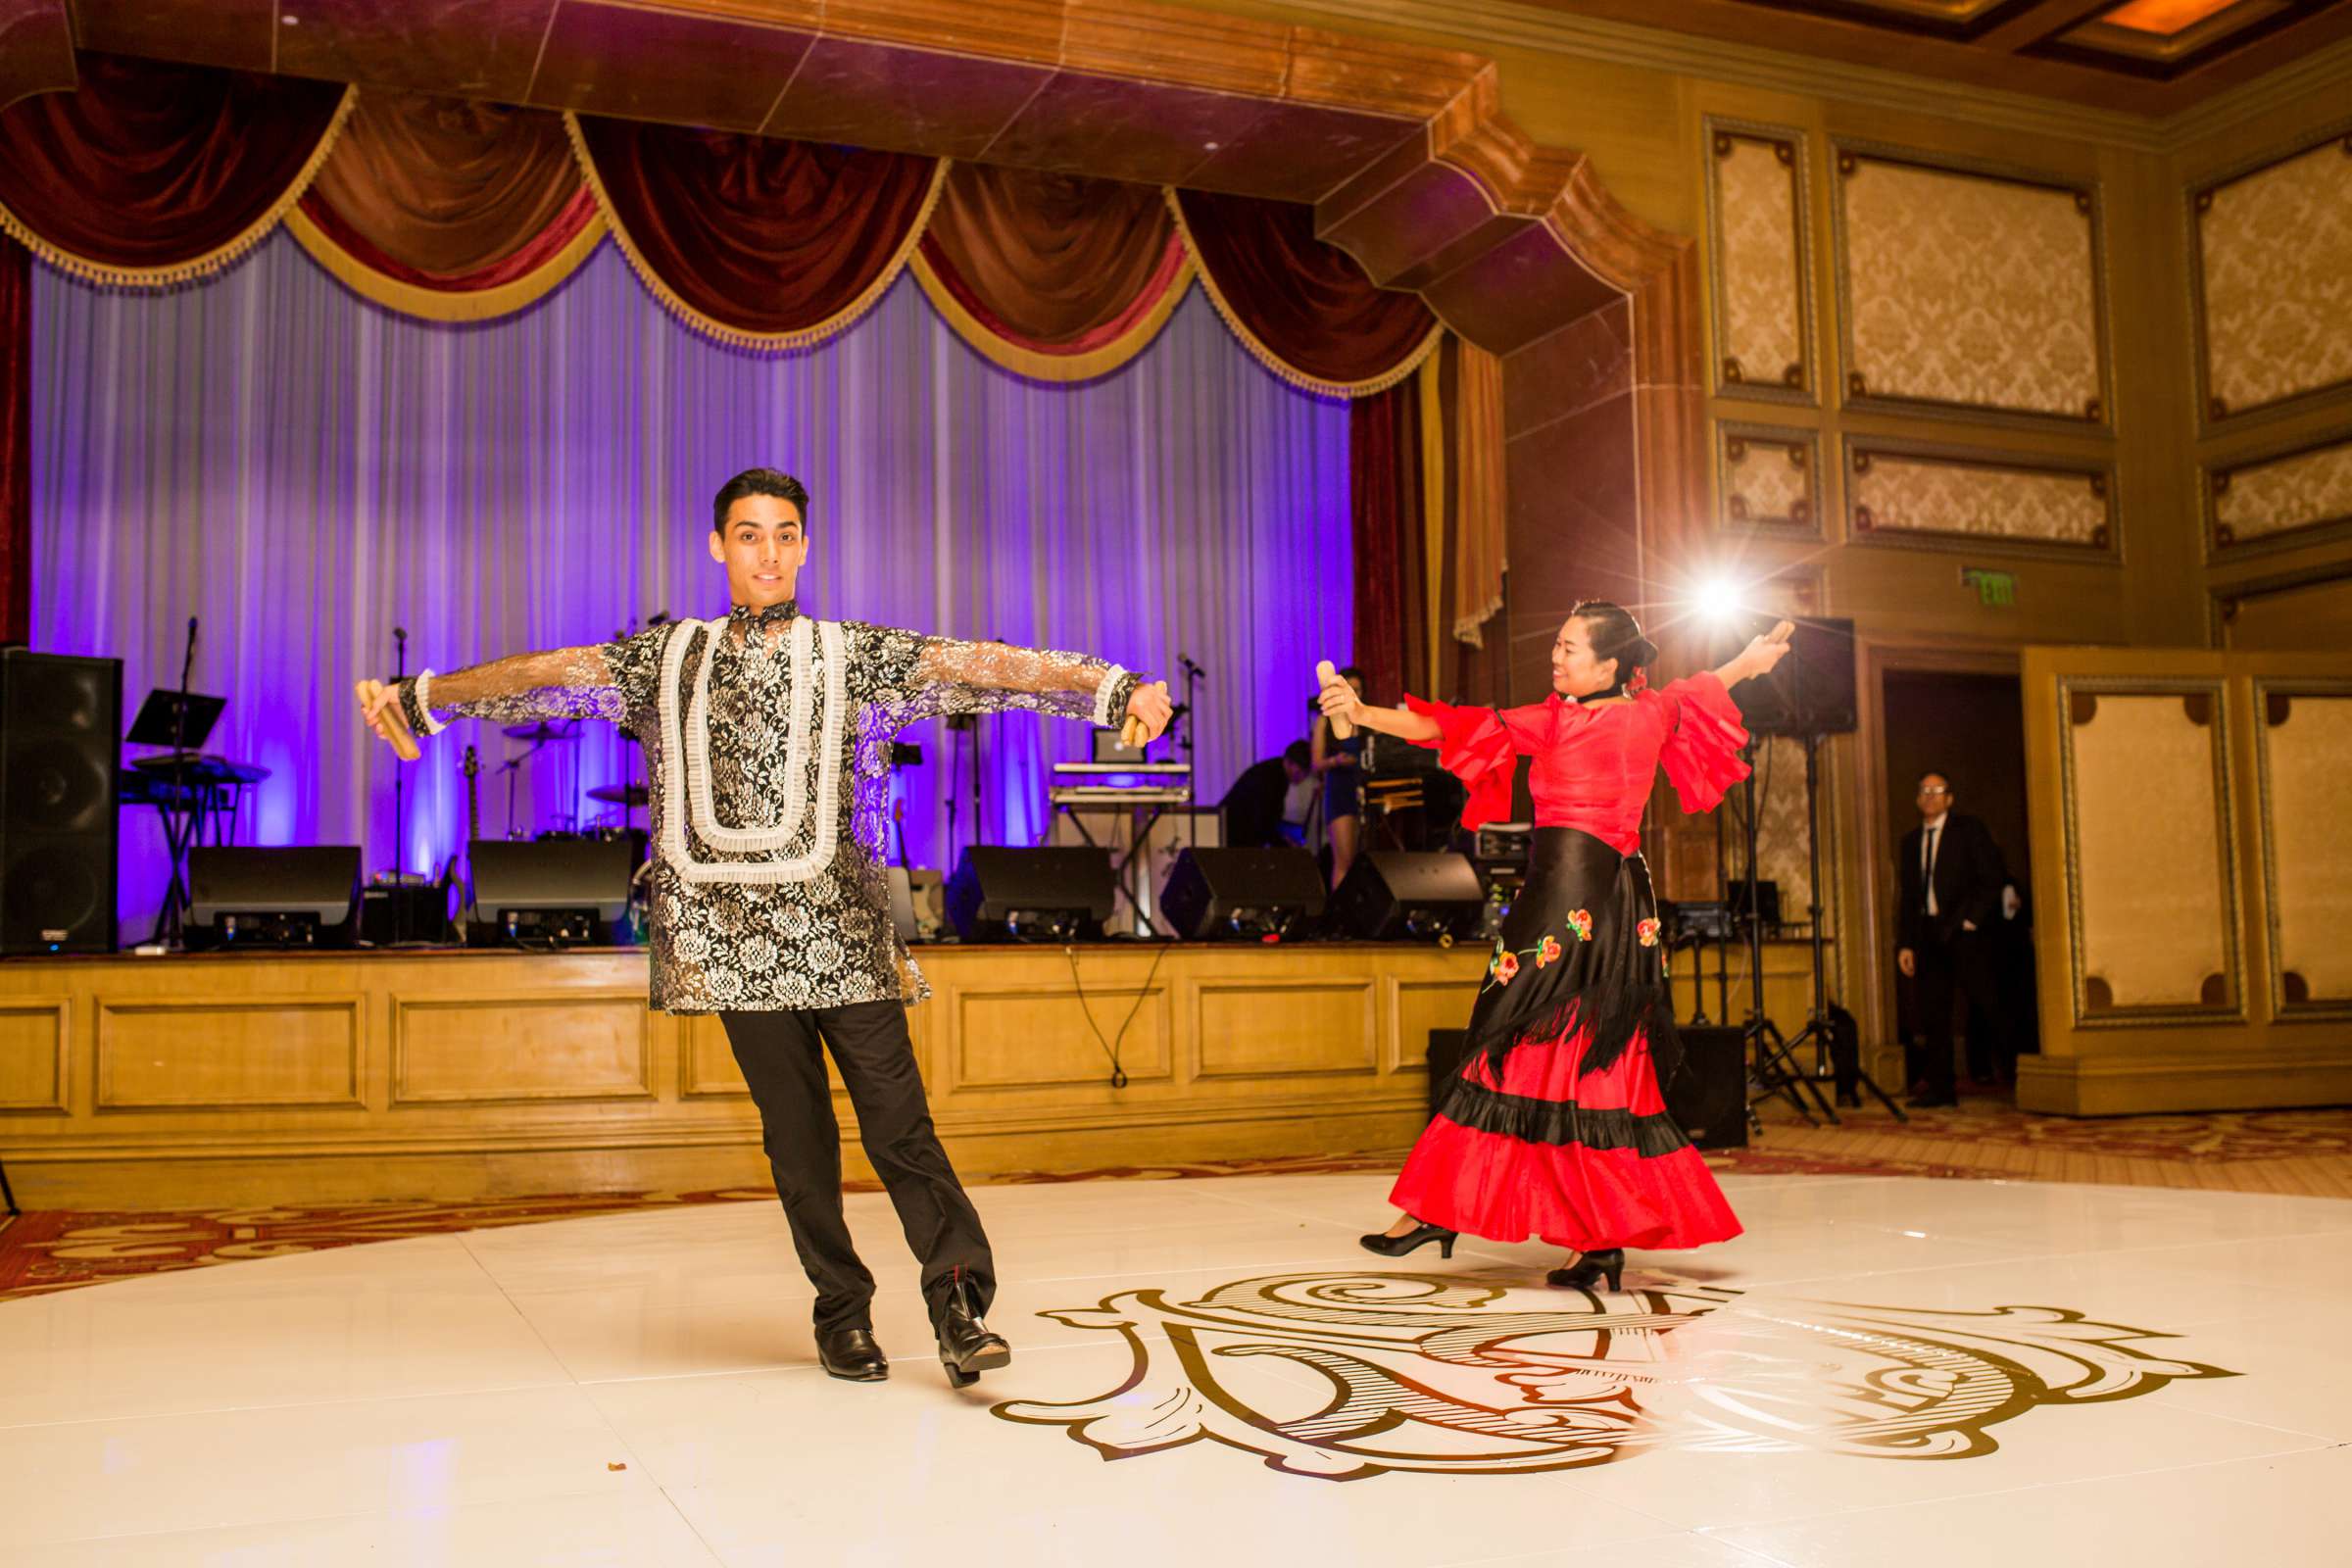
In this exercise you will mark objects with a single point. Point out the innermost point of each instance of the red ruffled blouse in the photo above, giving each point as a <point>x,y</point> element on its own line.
<point>1592,767</point>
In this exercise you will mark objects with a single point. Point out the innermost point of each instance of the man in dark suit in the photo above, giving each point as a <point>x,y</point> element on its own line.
<point>1951,876</point>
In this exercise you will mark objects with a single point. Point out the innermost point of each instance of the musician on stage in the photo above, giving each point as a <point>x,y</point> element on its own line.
<point>766,736</point>
<point>1556,1126</point>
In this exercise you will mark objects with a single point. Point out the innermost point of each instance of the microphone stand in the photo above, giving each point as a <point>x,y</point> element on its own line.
<point>400,859</point>
<point>186,806</point>
<point>1194,674</point>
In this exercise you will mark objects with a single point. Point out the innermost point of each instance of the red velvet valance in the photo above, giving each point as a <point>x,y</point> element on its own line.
<point>1304,306</point>
<point>151,173</point>
<point>753,241</point>
<point>449,209</point>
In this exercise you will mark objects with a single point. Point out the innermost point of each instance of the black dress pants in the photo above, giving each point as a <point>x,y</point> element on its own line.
<point>1962,965</point>
<point>782,1061</point>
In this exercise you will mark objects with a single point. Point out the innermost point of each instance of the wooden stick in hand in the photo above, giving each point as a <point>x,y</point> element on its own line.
<point>386,719</point>
<point>1327,674</point>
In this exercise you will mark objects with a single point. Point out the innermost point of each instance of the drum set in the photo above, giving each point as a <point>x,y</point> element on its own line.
<point>621,802</point>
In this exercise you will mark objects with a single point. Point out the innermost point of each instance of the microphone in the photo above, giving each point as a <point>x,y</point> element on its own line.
<point>655,618</point>
<point>400,634</point>
<point>191,628</point>
<point>1186,659</point>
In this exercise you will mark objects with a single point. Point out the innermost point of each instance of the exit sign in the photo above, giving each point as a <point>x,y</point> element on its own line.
<point>1997,588</point>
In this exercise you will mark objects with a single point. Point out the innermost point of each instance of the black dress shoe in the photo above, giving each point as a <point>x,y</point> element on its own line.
<point>967,1348</point>
<point>1418,1237</point>
<point>851,1356</point>
<point>1588,1271</point>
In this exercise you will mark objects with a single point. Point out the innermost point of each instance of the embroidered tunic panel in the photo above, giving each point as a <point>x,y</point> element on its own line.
<point>767,753</point>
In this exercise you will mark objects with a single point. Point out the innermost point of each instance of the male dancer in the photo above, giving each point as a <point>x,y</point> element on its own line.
<point>767,740</point>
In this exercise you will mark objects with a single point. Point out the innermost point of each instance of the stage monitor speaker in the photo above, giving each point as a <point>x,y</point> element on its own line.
<point>564,893</point>
<point>1393,895</point>
<point>60,723</point>
<point>1708,1097</point>
<point>1241,894</point>
<point>1810,692</point>
<point>240,896</point>
<point>1042,895</point>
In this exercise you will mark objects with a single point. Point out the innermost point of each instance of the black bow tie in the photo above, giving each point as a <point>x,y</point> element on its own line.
<point>772,615</point>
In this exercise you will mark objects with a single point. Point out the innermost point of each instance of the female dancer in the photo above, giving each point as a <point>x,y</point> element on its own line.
<point>1556,1126</point>
<point>1338,764</point>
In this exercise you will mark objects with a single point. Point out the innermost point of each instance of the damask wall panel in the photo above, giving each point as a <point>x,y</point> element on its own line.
<point>2289,494</point>
<point>1768,480</point>
<point>2306,752</point>
<point>2149,871</point>
<point>1757,216</point>
<point>2273,272</point>
<point>1969,291</point>
<point>1901,493</point>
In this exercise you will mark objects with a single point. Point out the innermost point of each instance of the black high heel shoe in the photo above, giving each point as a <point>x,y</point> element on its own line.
<point>1418,1237</point>
<point>1581,1274</point>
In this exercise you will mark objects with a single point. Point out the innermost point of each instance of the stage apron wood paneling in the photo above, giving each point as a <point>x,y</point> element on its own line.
<point>150,1083</point>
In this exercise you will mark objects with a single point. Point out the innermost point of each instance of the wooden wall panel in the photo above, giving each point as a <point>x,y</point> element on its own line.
<point>492,1047</point>
<point>33,1053</point>
<point>253,1051</point>
<point>1287,1029</point>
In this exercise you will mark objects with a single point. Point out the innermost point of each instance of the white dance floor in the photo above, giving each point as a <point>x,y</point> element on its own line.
<point>1882,1371</point>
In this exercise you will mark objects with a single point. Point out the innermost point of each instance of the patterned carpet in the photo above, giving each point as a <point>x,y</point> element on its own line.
<point>2308,1151</point>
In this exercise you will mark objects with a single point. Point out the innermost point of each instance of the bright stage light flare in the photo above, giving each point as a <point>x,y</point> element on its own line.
<point>1719,599</point>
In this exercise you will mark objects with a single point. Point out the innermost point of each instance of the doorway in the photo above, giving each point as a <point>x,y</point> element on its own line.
<point>1971,728</point>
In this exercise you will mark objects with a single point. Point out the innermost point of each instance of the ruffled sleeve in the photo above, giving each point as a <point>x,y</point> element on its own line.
<point>1703,737</point>
<point>1475,747</point>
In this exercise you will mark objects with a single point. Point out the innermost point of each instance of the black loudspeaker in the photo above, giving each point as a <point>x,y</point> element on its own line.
<point>61,722</point>
<point>1811,692</point>
<point>1446,1047</point>
<point>1708,1097</point>
<point>1397,894</point>
<point>243,897</point>
<point>1057,893</point>
<point>1242,894</point>
<point>1767,901</point>
<point>563,893</point>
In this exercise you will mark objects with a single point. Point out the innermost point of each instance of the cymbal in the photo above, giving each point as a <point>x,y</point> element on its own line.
<point>545,730</point>
<point>620,793</point>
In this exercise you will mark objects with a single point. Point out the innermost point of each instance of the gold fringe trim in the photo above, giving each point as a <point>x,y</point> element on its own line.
<point>1038,367</point>
<point>1472,628</point>
<point>1274,362</point>
<point>212,261</point>
<point>1434,492</point>
<point>445,304</point>
<point>719,332</point>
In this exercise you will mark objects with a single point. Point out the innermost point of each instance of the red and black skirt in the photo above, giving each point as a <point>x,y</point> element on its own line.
<point>1555,1127</point>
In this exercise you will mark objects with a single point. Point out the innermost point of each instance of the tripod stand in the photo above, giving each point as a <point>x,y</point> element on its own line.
<point>1775,1072</point>
<point>1777,1069</point>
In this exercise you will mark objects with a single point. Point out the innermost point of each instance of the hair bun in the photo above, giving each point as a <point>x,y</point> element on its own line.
<point>1642,651</point>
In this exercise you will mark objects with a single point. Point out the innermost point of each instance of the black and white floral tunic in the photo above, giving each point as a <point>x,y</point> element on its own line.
<point>768,751</point>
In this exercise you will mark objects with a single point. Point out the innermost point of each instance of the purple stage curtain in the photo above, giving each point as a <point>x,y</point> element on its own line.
<point>307,472</point>
<point>16,440</point>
